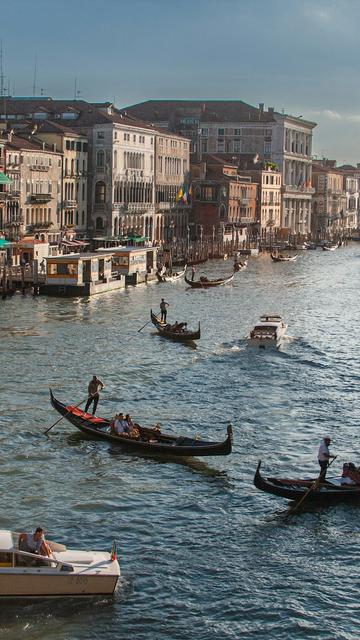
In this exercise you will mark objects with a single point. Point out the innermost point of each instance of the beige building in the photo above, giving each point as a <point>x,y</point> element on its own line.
<point>35,170</point>
<point>74,149</point>
<point>268,206</point>
<point>172,198</point>
<point>329,202</point>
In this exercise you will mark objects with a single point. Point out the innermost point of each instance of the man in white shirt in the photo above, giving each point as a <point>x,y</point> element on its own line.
<point>324,457</point>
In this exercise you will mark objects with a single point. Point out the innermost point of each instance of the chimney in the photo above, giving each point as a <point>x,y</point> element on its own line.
<point>54,146</point>
<point>43,146</point>
<point>271,109</point>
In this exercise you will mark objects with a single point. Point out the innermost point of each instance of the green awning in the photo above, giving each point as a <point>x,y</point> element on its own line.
<point>4,179</point>
<point>4,243</point>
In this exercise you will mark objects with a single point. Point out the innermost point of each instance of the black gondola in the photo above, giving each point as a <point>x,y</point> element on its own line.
<point>281,258</point>
<point>204,283</point>
<point>329,492</point>
<point>178,336</point>
<point>150,441</point>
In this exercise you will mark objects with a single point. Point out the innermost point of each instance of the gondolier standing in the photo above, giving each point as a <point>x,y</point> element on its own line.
<point>163,309</point>
<point>95,385</point>
<point>193,270</point>
<point>324,456</point>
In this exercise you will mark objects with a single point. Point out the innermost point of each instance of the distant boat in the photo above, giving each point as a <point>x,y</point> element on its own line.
<point>282,258</point>
<point>164,277</point>
<point>205,283</point>
<point>268,332</point>
<point>330,247</point>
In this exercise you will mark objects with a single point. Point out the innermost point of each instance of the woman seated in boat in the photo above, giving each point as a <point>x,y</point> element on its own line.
<point>204,279</point>
<point>132,430</point>
<point>350,474</point>
<point>119,425</point>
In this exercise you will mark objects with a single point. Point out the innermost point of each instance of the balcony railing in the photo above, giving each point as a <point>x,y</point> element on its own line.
<point>297,189</point>
<point>70,204</point>
<point>39,167</point>
<point>40,197</point>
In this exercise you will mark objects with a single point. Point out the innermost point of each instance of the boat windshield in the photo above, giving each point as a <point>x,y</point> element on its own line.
<point>265,332</point>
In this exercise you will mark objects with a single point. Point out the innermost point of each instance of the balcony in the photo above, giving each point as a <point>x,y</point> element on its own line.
<point>70,204</point>
<point>40,198</point>
<point>39,167</point>
<point>289,188</point>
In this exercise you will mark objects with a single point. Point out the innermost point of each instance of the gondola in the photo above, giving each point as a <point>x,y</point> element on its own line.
<point>281,258</point>
<point>204,283</point>
<point>150,441</point>
<point>172,277</point>
<point>329,492</point>
<point>178,336</point>
<point>331,247</point>
<point>240,266</point>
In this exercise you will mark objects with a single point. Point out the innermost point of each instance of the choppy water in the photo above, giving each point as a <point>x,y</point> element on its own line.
<point>204,555</point>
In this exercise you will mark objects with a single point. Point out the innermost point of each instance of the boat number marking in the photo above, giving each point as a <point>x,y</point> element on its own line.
<point>78,580</point>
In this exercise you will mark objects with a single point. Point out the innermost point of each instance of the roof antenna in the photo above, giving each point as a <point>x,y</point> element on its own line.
<point>1,70</point>
<point>76,91</point>
<point>35,70</point>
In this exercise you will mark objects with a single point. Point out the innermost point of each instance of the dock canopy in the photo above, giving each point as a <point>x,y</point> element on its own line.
<point>4,179</point>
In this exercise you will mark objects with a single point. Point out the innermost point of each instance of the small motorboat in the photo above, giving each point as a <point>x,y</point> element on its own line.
<point>67,573</point>
<point>164,276</point>
<point>330,247</point>
<point>281,258</point>
<point>239,265</point>
<point>268,332</point>
<point>331,491</point>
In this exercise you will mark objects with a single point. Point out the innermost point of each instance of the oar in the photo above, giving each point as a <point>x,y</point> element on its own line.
<point>313,486</point>
<point>65,414</point>
<point>148,322</point>
<point>145,325</point>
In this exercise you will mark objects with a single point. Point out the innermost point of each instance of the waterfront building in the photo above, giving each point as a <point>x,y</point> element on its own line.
<point>234,127</point>
<point>5,187</point>
<point>73,146</point>
<point>124,167</point>
<point>137,264</point>
<point>268,203</point>
<point>137,174</point>
<point>79,274</point>
<point>329,201</point>
<point>352,192</point>
<point>224,201</point>
<point>35,195</point>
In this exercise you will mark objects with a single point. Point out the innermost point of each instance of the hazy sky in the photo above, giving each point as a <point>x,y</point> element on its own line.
<point>297,55</point>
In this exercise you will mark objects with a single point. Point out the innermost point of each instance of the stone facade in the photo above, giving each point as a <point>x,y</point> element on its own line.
<point>329,202</point>
<point>74,149</point>
<point>268,205</point>
<point>35,171</point>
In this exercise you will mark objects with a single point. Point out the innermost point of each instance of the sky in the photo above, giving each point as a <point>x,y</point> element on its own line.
<point>297,55</point>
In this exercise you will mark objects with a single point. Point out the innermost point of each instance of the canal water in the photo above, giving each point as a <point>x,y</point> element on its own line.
<point>203,554</point>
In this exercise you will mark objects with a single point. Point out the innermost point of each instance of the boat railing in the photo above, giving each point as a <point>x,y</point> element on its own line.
<point>40,560</point>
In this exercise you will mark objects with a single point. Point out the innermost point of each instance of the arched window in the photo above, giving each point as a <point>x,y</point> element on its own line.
<point>99,223</point>
<point>116,227</point>
<point>100,159</point>
<point>83,218</point>
<point>100,192</point>
<point>115,159</point>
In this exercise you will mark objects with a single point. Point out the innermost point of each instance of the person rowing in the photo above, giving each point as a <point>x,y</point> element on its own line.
<point>324,457</point>
<point>95,385</point>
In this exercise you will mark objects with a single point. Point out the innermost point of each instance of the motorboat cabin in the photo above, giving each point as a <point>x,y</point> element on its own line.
<point>68,572</point>
<point>268,332</point>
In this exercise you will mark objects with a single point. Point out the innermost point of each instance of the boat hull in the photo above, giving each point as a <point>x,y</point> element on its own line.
<point>206,284</point>
<point>185,336</point>
<point>35,585</point>
<point>325,493</point>
<point>156,444</point>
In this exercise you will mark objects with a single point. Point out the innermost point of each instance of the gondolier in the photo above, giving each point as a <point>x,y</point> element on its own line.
<point>163,309</point>
<point>324,456</point>
<point>95,385</point>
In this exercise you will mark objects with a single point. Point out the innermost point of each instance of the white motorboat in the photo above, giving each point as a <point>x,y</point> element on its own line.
<point>68,572</point>
<point>268,332</point>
